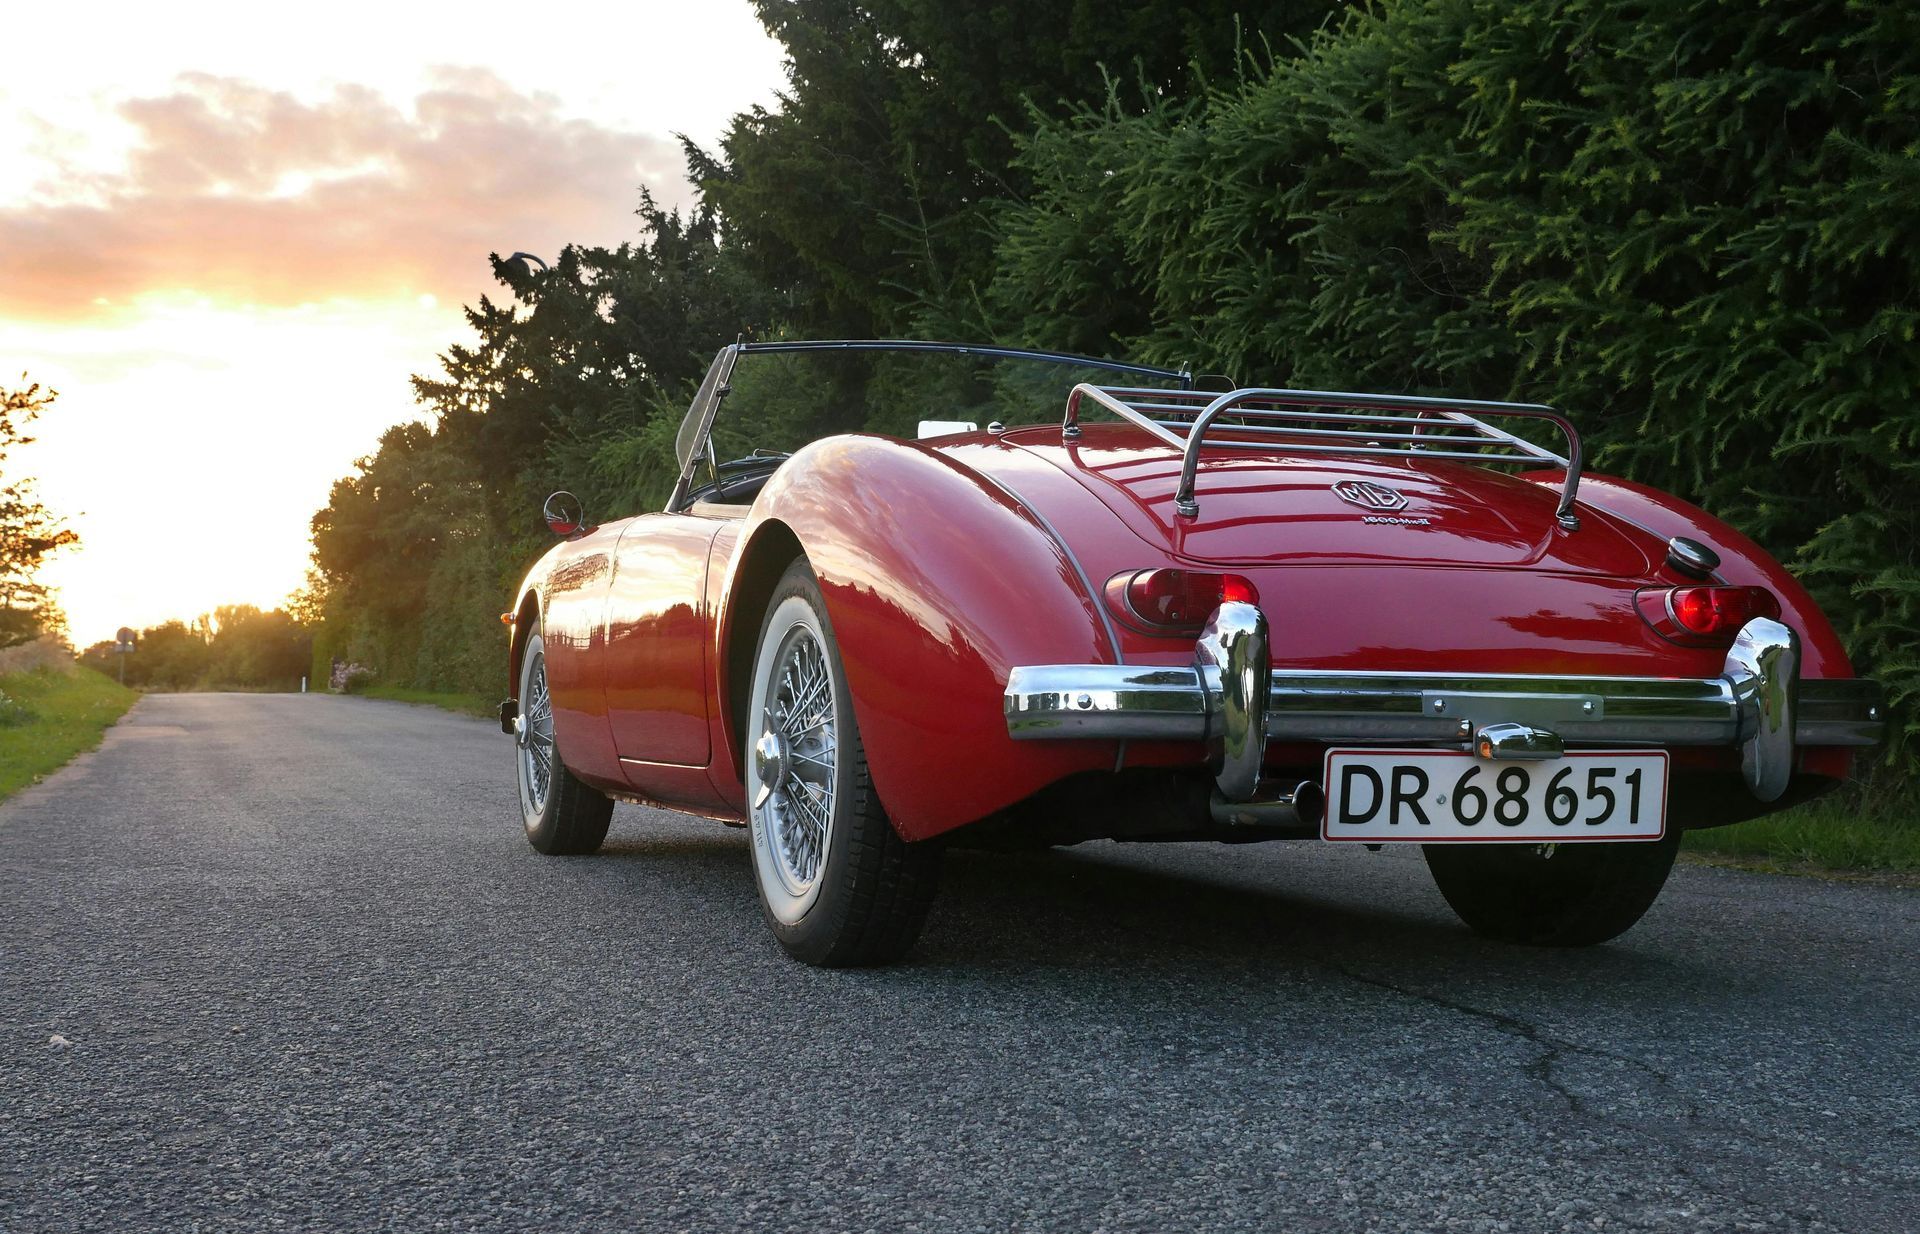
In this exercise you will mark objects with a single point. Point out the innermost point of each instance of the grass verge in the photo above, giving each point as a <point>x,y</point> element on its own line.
<point>50,716</point>
<point>447,700</point>
<point>1837,839</point>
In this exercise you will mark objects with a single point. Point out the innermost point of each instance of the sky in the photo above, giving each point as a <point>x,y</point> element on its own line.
<point>230,232</point>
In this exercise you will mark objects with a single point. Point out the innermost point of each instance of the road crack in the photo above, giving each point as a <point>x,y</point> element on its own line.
<point>1552,1048</point>
<point>1681,1134</point>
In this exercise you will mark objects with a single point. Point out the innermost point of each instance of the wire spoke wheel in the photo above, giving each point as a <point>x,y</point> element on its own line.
<point>838,885</point>
<point>536,737</point>
<point>795,759</point>
<point>563,814</point>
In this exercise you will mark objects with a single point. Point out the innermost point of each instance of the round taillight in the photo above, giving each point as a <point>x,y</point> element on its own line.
<point>1693,608</point>
<point>1719,612</point>
<point>1177,601</point>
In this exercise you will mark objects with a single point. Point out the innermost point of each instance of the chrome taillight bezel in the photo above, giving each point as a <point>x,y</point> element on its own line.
<point>1656,607</point>
<point>1120,593</point>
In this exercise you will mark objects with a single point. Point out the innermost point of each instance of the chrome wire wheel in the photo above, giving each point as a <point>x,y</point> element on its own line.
<point>534,733</point>
<point>564,815</point>
<point>838,885</point>
<point>794,759</point>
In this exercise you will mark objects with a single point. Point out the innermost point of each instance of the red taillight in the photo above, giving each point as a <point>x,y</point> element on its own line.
<point>1720,610</point>
<point>1175,601</point>
<point>1705,615</point>
<point>1233,587</point>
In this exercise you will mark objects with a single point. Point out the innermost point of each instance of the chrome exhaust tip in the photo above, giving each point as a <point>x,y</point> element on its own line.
<point>1299,806</point>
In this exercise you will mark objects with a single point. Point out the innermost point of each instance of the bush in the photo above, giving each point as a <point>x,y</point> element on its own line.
<point>46,653</point>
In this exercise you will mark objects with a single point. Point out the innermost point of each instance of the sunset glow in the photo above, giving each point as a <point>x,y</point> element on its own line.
<point>228,246</point>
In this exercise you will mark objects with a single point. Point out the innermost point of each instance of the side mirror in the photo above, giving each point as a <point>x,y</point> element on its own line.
<point>564,514</point>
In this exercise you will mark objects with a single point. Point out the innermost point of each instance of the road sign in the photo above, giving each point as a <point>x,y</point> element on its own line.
<point>123,640</point>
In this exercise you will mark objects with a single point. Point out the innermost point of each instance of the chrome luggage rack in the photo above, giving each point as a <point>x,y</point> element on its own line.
<point>1333,422</point>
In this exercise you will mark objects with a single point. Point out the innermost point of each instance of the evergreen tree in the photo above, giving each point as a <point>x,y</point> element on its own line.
<point>577,380</point>
<point>866,199</point>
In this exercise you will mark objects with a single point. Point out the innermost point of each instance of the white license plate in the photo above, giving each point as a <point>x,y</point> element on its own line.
<point>1439,796</point>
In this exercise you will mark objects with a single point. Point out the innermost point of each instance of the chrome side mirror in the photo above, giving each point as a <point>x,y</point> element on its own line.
<point>564,514</point>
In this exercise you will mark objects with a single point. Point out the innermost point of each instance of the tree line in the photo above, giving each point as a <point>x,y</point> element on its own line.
<point>1691,225</point>
<point>235,647</point>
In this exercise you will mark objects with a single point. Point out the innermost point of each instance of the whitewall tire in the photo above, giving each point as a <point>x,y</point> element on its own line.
<point>837,884</point>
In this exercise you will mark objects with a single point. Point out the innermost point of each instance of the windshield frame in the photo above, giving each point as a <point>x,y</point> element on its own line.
<point>692,447</point>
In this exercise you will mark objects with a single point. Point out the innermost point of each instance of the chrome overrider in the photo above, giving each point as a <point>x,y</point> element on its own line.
<point>1232,659</point>
<point>1758,704</point>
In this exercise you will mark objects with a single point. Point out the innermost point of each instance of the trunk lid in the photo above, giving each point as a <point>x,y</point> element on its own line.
<point>1267,507</point>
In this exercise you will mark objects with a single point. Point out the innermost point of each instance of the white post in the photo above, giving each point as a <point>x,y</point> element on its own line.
<point>303,685</point>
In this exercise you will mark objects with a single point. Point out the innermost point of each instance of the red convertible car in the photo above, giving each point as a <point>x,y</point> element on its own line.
<point>1125,606</point>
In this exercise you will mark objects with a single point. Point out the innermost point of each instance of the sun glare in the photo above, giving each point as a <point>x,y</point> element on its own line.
<point>228,257</point>
<point>192,443</point>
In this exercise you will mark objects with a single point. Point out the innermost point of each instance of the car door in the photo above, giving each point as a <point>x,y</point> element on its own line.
<point>658,629</point>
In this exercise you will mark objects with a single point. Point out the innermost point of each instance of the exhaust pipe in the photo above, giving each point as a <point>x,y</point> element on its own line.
<point>1297,807</point>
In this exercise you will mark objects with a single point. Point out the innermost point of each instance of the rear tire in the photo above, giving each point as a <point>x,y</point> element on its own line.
<point>838,886</point>
<point>1567,895</point>
<point>563,816</point>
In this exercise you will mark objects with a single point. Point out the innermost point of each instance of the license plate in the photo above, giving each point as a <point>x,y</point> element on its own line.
<point>1440,796</point>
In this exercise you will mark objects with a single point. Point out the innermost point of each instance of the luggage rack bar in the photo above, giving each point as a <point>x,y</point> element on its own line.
<point>1334,422</point>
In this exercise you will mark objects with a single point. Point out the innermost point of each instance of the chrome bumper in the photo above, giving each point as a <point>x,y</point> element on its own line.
<point>1758,704</point>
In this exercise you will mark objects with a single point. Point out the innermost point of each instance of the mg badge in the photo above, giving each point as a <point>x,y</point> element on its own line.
<point>1370,496</point>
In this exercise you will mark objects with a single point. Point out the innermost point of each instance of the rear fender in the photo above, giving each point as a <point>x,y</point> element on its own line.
<point>1742,562</point>
<point>936,583</point>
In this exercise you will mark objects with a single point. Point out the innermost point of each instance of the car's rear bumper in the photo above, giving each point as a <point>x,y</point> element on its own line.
<point>1759,704</point>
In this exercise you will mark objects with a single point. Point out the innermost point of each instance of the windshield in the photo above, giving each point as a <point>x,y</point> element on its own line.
<point>780,401</point>
<point>688,437</point>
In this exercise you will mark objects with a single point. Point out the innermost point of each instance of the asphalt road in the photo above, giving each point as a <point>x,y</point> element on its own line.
<point>312,977</point>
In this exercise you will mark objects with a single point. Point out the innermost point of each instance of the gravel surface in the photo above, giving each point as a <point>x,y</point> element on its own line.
<point>284,962</point>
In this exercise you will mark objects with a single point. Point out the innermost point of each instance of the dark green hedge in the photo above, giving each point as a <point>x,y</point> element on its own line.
<point>1693,224</point>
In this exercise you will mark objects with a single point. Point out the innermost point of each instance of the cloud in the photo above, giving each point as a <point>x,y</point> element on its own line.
<point>244,194</point>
